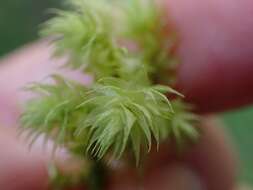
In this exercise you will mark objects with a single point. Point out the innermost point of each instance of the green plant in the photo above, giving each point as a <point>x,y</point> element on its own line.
<point>124,111</point>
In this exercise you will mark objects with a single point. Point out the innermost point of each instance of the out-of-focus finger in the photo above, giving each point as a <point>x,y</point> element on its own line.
<point>169,177</point>
<point>32,63</point>
<point>20,169</point>
<point>212,160</point>
<point>215,48</point>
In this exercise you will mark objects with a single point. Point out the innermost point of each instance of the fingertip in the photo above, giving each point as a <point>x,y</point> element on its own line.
<point>215,51</point>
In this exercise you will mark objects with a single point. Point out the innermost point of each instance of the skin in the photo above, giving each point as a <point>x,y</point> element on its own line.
<point>215,75</point>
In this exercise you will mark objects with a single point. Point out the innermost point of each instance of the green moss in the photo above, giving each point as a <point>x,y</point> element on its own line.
<point>123,111</point>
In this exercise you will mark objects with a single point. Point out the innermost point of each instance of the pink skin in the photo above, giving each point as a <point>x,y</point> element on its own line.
<point>216,51</point>
<point>29,64</point>
<point>216,74</point>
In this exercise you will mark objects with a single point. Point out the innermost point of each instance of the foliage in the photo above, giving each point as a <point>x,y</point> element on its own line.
<point>123,110</point>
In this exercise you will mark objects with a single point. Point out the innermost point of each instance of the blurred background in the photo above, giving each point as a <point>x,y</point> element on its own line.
<point>19,21</point>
